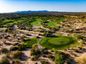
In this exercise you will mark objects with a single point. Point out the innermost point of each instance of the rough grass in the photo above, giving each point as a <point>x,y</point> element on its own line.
<point>30,42</point>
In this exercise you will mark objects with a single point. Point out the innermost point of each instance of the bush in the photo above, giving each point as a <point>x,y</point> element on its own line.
<point>44,62</point>
<point>22,47</point>
<point>4,61</point>
<point>34,58</point>
<point>14,48</point>
<point>4,50</point>
<point>16,62</point>
<point>35,50</point>
<point>17,54</point>
<point>58,58</point>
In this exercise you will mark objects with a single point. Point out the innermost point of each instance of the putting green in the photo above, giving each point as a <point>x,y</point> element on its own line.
<point>57,42</point>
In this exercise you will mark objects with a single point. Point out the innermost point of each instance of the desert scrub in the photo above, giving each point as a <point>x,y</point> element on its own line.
<point>27,43</point>
<point>19,55</point>
<point>4,50</point>
<point>81,59</point>
<point>14,48</point>
<point>4,61</point>
<point>58,58</point>
<point>45,62</point>
<point>16,61</point>
<point>36,50</point>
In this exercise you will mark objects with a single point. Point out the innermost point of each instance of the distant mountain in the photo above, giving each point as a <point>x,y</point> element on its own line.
<point>30,12</point>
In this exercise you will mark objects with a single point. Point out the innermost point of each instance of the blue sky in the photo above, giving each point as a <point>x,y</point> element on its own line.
<point>51,5</point>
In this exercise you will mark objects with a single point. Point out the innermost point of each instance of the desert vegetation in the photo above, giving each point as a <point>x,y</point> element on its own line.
<point>42,38</point>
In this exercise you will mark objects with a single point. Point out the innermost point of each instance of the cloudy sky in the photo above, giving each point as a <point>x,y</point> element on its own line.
<point>51,5</point>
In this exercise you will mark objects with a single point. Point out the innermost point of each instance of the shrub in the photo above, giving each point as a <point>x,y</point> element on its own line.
<point>16,61</point>
<point>44,62</point>
<point>58,58</point>
<point>17,54</point>
<point>4,61</point>
<point>4,50</point>
<point>14,48</point>
<point>22,47</point>
<point>35,50</point>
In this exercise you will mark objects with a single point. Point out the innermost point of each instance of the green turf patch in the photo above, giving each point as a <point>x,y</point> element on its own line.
<point>52,24</point>
<point>37,22</point>
<point>61,19</point>
<point>59,42</point>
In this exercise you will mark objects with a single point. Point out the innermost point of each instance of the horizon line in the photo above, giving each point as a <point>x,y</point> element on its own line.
<point>43,10</point>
